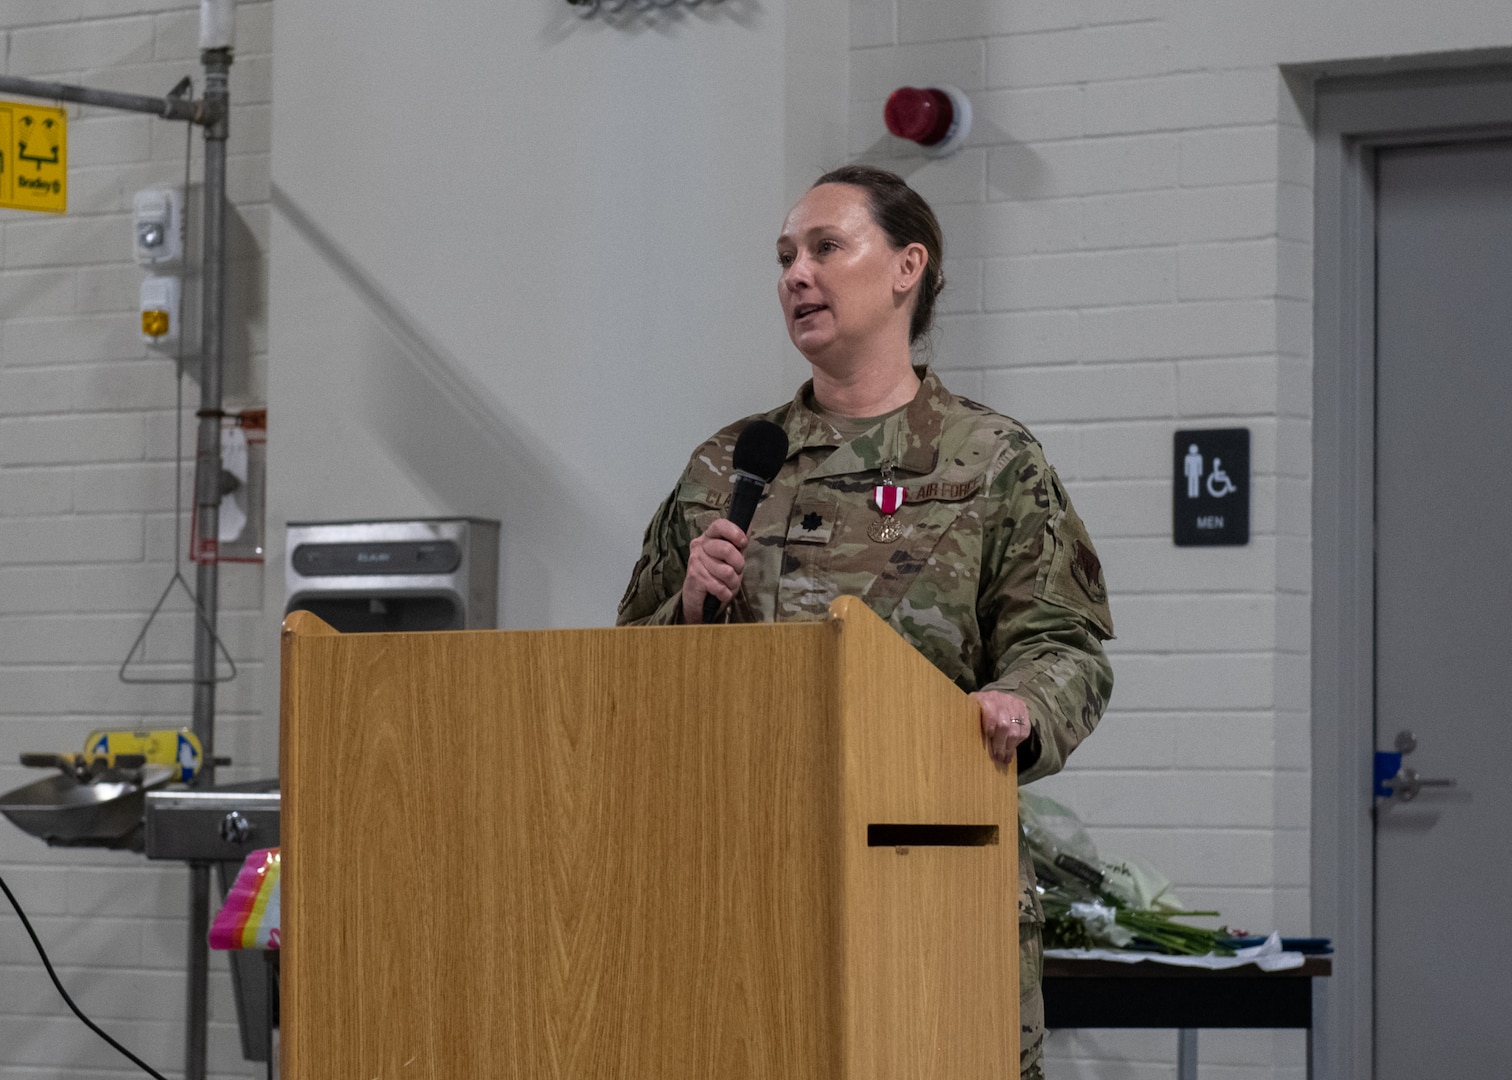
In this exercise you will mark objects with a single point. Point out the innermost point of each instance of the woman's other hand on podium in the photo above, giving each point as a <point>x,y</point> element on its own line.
<point>1005,724</point>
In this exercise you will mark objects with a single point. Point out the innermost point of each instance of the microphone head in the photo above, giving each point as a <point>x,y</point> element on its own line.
<point>761,449</point>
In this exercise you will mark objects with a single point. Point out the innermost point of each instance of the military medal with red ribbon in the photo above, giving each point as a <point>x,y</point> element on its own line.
<point>888,497</point>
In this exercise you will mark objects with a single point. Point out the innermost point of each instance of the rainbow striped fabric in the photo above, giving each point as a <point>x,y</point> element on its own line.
<point>249,917</point>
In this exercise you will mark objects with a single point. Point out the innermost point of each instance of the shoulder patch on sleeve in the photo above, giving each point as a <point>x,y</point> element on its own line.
<point>1074,578</point>
<point>1086,568</point>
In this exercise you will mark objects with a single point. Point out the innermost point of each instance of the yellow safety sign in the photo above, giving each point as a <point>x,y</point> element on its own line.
<point>33,157</point>
<point>164,746</point>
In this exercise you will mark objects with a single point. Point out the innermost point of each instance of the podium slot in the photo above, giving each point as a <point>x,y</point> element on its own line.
<point>931,835</point>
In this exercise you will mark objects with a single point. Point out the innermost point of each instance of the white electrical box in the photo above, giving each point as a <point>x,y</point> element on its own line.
<point>158,227</point>
<point>161,310</point>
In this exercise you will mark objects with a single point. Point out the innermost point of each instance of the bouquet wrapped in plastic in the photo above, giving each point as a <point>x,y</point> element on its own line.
<point>1090,903</point>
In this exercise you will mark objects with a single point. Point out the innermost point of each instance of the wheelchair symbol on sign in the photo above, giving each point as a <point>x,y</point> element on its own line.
<point>1218,482</point>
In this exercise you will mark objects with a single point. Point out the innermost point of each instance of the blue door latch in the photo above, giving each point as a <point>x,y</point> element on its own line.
<point>1387,764</point>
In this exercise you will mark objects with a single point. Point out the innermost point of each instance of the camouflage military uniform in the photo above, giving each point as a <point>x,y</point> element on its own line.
<point>993,578</point>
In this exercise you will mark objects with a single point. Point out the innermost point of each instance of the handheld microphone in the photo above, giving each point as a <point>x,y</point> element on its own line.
<point>759,453</point>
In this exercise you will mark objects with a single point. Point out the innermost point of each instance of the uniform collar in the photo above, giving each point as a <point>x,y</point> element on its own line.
<point>909,439</point>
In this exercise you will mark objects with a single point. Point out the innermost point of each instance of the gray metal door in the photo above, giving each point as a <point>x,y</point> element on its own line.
<point>1443,888</point>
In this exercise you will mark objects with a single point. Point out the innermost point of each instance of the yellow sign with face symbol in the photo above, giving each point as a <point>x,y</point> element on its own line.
<point>33,157</point>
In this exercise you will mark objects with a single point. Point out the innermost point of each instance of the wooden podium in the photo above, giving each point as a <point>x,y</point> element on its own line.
<point>775,852</point>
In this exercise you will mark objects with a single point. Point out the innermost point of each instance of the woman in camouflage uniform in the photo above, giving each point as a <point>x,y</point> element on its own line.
<point>985,567</point>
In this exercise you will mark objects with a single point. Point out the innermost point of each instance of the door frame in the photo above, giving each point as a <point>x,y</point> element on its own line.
<point>1354,117</point>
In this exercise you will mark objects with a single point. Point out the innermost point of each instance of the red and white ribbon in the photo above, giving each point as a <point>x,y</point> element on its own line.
<point>889,497</point>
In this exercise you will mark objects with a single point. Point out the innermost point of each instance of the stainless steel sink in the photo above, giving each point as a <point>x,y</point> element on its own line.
<point>104,812</point>
<point>136,809</point>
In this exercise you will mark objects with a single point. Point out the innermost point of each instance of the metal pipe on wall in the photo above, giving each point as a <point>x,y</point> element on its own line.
<point>207,472</point>
<point>207,497</point>
<point>169,108</point>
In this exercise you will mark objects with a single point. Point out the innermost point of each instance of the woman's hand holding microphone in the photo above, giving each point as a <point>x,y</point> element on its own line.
<point>716,561</point>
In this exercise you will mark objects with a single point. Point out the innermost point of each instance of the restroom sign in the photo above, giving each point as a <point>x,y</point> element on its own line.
<point>33,157</point>
<point>1211,500</point>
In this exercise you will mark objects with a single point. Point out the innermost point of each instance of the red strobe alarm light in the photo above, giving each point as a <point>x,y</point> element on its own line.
<point>938,118</point>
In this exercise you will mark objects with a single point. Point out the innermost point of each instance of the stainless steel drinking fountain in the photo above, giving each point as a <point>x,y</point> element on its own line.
<point>367,576</point>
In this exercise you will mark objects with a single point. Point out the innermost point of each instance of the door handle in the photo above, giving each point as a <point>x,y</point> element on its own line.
<point>1406,784</point>
<point>1395,781</point>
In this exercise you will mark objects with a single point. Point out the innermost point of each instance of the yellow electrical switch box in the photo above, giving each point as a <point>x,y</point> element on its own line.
<point>33,157</point>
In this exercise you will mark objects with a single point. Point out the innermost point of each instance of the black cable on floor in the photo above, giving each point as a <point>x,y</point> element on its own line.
<point>90,1024</point>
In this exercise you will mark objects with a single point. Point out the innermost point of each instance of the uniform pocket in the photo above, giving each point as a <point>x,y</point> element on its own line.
<point>936,554</point>
<point>701,507</point>
<point>700,518</point>
<point>1031,960</point>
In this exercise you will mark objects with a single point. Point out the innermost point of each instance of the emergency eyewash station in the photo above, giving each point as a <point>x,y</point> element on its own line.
<point>210,112</point>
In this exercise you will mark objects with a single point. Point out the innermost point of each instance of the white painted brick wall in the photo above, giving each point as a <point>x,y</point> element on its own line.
<point>47,51</point>
<point>87,524</point>
<point>1078,55</point>
<point>1144,244</point>
<point>1080,279</point>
